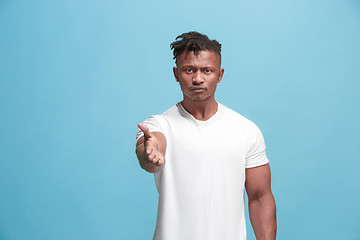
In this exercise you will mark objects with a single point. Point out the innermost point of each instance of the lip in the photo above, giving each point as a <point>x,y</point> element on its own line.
<point>198,89</point>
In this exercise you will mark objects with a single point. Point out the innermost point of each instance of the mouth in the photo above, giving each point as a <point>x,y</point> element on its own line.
<point>198,89</point>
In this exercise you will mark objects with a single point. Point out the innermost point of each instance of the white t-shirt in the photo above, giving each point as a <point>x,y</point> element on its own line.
<point>201,187</point>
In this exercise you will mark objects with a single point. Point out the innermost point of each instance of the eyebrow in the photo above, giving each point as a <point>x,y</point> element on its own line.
<point>192,66</point>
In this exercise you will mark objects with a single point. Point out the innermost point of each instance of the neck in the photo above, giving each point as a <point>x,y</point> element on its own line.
<point>201,110</point>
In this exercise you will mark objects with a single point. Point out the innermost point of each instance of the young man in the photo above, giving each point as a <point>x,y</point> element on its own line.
<point>203,155</point>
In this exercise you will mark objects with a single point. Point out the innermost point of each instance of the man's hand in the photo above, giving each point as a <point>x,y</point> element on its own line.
<point>150,149</point>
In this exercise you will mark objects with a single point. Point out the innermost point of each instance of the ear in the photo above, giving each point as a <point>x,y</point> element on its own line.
<point>221,75</point>
<point>175,74</point>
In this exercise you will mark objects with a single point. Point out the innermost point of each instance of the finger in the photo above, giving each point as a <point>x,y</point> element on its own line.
<point>157,160</point>
<point>161,161</point>
<point>149,151</point>
<point>152,156</point>
<point>153,160</point>
<point>145,130</point>
<point>149,147</point>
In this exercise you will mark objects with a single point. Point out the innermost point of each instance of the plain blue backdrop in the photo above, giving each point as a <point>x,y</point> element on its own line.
<point>77,76</point>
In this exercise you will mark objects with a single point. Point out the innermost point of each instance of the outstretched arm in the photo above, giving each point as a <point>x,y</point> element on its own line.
<point>262,209</point>
<point>150,150</point>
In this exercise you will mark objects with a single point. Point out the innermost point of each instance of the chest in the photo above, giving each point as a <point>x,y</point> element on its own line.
<point>199,145</point>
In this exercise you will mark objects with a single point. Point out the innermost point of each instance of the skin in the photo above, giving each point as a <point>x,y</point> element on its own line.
<point>262,208</point>
<point>150,150</point>
<point>198,76</point>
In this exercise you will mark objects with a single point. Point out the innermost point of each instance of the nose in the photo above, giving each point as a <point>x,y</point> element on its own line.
<point>197,78</point>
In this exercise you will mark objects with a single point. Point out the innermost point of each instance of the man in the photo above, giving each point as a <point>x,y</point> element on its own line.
<point>203,155</point>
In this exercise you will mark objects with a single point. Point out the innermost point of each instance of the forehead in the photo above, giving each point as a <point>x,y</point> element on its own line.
<point>202,58</point>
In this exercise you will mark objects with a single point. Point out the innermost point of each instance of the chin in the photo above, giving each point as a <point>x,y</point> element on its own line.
<point>199,99</point>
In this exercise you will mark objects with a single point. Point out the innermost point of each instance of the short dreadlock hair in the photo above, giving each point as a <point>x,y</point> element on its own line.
<point>194,42</point>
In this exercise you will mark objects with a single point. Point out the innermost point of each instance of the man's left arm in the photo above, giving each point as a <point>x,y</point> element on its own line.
<point>262,209</point>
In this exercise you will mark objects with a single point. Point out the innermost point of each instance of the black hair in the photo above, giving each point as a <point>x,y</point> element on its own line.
<point>194,42</point>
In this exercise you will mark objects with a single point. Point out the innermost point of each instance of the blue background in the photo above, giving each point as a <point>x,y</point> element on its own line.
<point>77,76</point>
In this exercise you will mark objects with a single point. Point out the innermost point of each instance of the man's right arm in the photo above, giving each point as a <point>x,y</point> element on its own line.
<point>150,150</point>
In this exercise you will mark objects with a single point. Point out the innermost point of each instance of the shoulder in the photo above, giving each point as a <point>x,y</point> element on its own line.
<point>240,124</point>
<point>173,111</point>
<point>162,120</point>
<point>237,118</point>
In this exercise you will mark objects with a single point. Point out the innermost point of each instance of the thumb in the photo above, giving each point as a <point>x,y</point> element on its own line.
<point>145,130</point>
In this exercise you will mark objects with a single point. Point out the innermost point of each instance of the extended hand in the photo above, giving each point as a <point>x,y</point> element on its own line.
<point>151,147</point>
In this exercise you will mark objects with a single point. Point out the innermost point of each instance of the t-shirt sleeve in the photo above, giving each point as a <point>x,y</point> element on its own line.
<point>153,124</point>
<point>256,155</point>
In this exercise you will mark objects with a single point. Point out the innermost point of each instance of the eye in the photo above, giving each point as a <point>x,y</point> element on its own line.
<point>207,70</point>
<point>189,70</point>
